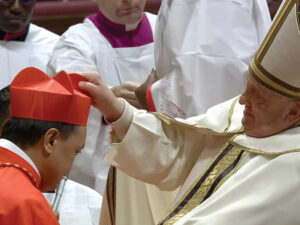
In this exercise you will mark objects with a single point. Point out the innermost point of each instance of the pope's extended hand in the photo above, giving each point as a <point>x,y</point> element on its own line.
<point>103,98</point>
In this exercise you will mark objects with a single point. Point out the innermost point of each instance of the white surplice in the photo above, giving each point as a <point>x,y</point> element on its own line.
<point>78,204</point>
<point>34,51</point>
<point>202,52</point>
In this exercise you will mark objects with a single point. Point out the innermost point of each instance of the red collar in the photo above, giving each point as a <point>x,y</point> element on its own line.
<point>20,36</point>
<point>10,159</point>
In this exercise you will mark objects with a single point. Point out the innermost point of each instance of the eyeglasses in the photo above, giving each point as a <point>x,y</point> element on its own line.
<point>24,2</point>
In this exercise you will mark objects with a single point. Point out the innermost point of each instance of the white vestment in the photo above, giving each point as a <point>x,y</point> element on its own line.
<point>82,48</point>
<point>78,204</point>
<point>228,177</point>
<point>202,52</point>
<point>36,51</point>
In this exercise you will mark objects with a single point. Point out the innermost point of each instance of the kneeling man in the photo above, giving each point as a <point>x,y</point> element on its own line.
<point>39,143</point>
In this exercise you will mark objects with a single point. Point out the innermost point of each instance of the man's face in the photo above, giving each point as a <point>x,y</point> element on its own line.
<point>64,153</point>
<point>266,112</point>
<point>122,11</point>
<point>15,16</point>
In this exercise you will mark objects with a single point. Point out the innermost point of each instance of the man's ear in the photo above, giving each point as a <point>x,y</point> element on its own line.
<point>50,139</point>
<point>294,113</point>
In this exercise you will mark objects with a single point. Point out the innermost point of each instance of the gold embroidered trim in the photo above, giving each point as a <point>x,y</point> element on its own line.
<point>22,169</point>
<point>231,173</point>
<point>257,74</point>
<point>261,152</point>
<point>202,191</point>
<point>231,113</point>
<point>169,120</point>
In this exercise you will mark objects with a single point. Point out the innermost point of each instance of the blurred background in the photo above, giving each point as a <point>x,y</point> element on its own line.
<point>58,15</point>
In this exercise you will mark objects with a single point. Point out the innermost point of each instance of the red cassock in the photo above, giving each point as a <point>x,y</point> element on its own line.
<point>21,202</point>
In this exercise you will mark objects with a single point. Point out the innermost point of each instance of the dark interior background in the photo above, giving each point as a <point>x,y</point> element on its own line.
<point>58,15</point>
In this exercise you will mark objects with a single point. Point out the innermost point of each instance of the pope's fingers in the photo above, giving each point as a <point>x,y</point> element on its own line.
<point>91,88</point>
<point>92,77</point>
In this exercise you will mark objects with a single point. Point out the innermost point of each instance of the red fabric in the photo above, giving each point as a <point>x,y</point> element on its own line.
<point>149,100</point>
<point>21,203</point>
<point>17,161</point>
<point>34,95</point>
<point>8,37</point>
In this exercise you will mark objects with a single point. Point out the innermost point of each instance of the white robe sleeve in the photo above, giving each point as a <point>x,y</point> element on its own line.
<point>155,152</point>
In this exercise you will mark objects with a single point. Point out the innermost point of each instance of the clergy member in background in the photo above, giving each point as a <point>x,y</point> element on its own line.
<point>47,129</point>
<point>24,44</point>
<point>117,42</point>
<point>239,162</point>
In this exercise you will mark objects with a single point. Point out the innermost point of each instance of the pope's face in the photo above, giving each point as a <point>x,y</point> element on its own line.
<point>14,16</point>
<point>64,152</point>
<point>266,112</point>
<point>122,11</point>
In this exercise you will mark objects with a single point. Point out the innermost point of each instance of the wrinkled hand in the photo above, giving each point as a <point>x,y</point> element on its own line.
<point>127,91</point>
<point>142,90</point>
<point>103,98</point>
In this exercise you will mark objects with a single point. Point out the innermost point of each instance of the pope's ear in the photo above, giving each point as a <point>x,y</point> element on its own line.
<point>294,114</point>
<point>50,139</point>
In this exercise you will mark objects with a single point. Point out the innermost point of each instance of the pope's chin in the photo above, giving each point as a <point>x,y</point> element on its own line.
<point>248,125</point>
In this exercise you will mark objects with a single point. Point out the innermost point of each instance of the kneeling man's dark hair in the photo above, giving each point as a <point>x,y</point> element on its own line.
<point>27,132</point>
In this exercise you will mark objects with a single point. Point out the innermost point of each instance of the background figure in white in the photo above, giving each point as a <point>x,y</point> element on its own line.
<point>77,204</point>
<point>117,42</point>
<point>202,52</point>
<point>24,45</point>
